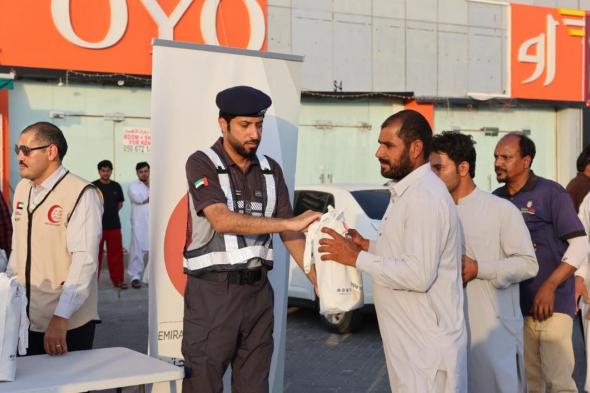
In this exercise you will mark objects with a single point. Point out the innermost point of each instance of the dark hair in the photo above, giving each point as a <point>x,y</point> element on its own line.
<point>50,134</point>
<point>105,164</point>
<point>525,144</point>
<point>226,116</point>
<point>459,147</point>
<point>583,159</point>
<point>141,164</point>
<point>413,126</point>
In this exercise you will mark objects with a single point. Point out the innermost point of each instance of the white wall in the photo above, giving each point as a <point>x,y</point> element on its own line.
<point>338,140</point>
<point>541,123</point>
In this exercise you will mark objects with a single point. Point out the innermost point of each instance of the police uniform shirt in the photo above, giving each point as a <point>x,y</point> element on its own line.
<point>249,189</point>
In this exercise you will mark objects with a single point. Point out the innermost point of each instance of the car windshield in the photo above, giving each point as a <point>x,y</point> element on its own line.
<point>373,202</point>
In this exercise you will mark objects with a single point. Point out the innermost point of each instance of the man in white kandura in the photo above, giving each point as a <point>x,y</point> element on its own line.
<point>415,264</point>
<point>139,195</point>
<point>498,255</point>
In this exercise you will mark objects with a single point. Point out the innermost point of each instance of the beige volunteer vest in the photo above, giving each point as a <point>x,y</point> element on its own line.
<point>43,260</point>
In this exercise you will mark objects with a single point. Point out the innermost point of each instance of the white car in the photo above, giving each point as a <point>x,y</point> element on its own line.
<point>364,206</point>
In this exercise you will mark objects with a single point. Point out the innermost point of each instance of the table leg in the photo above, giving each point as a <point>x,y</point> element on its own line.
<point>141,389</point>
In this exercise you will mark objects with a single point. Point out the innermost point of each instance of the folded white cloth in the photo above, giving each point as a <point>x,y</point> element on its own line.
<point>14,325</point>
<point>340,287</point>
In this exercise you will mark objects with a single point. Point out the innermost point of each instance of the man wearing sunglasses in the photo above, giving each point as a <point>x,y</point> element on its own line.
<point>57,219</point>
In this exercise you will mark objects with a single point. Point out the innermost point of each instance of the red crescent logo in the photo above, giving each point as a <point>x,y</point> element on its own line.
<point>54,214</point>
<point>174,240</point>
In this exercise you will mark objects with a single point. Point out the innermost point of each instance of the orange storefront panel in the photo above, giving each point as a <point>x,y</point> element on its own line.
<point>115,35</point>
<point>547,51</point>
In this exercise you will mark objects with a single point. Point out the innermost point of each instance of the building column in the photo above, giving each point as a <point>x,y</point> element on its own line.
<point>568,144</point>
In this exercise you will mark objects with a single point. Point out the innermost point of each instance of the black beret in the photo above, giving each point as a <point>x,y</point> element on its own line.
<point>242,101</point>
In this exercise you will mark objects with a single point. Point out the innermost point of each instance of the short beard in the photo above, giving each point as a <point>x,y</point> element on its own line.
<point>404,168</point>
<point>244,153</point>
<point>241,150</point>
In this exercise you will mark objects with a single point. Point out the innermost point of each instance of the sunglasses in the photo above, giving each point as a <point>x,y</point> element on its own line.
<point>26,150</point>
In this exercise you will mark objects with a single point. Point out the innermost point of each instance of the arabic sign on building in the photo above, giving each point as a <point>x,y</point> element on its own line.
<point>547,53</point>
<point>137,140</point>
<point>116,35</point>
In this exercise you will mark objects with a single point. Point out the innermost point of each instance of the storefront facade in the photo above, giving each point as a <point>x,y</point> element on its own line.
<point>86,68</point>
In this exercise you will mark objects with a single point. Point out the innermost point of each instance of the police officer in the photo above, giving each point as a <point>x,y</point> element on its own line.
<point>238,199</point>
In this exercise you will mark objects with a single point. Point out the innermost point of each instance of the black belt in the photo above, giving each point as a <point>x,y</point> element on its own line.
<point>239,277</point>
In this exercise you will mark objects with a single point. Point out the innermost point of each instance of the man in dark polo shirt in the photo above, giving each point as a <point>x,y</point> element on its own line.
<point>238,199</point>
<point>547,300</point>
<point>579,186</point>
<point>111,225</point>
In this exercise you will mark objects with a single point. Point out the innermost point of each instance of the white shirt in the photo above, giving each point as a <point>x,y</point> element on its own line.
<point>82,238</point>
<point>497,238</point>
<point>415,265</point>
<point>138,192</point>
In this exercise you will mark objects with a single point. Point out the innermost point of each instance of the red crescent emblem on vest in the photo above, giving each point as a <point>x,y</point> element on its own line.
<point>54,214</point>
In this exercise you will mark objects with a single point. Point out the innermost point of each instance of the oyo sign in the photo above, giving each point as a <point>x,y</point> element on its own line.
<point>116,35</point>
<point>547,52</point>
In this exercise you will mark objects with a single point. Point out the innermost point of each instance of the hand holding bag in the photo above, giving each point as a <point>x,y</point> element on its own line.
<point>340,287</point>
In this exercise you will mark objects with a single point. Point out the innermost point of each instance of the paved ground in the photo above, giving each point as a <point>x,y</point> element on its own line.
<point>316,360</point>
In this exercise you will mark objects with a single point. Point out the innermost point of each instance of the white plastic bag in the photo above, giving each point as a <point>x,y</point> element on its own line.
<point>340,287</point>
<point>14,325</point>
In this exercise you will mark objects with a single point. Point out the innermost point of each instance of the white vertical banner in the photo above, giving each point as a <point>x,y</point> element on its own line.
<point>185,80</point>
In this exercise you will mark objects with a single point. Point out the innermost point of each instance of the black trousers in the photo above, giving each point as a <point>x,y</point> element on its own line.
<point>227,324</point>
<point>77,339</point>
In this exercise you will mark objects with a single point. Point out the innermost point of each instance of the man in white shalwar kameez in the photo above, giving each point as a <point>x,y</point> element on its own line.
<point>139,195</point>
<point>415,264</point>
<point>498,255</point>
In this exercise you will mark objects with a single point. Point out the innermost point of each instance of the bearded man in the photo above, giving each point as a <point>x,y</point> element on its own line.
<point>415,264</point>
<point>238,199</point>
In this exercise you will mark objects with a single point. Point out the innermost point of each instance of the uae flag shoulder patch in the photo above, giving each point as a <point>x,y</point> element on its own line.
<point>201,182</point>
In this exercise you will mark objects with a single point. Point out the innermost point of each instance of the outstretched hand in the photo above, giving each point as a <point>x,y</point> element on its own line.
<point>338,248</point>
<point>301,222</point>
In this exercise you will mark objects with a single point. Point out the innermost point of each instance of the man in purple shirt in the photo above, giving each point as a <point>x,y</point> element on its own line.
<point>547,300</point>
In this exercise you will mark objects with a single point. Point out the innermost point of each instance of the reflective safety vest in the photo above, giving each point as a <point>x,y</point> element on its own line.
<point>228,251</point>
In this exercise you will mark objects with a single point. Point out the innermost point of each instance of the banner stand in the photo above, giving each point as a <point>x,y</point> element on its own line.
<point>185,80</point>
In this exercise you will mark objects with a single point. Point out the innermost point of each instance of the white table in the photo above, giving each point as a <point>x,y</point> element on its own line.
<point>82,371</point>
